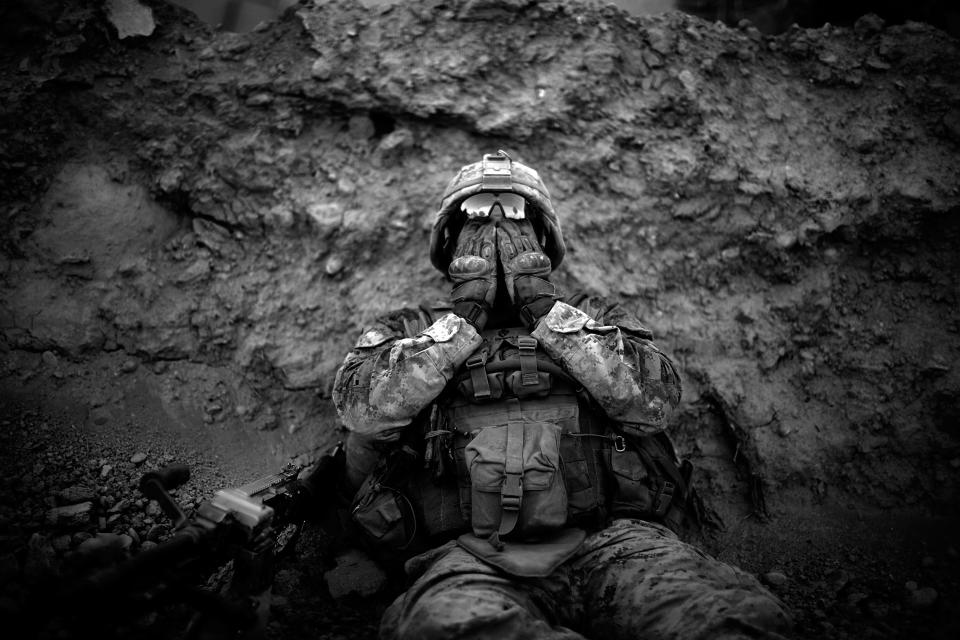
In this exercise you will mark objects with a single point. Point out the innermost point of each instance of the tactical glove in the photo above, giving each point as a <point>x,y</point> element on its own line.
<point>474,272</point>
<point>525,269</point>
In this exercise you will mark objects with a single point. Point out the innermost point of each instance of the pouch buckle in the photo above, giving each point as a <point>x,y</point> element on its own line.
<point>511,492</point>
<point>664,495</point>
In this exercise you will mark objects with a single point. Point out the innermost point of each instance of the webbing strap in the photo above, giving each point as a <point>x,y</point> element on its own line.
<point>476,364</point>
<point>528,360</point>
<point>663,498</point>
<point>511,493</point>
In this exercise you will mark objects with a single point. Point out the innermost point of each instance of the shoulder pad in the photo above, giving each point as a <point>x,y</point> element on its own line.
<point>374,337</point>
<point>444,328</point>
<point>563,318</point>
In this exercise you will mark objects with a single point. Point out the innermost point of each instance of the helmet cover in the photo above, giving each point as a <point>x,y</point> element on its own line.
<point>497,172</point>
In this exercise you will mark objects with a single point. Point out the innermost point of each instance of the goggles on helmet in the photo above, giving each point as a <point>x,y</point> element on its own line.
<point>481,204</point>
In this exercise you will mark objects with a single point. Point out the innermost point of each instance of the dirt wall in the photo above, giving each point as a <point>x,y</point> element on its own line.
<point>781,210</point>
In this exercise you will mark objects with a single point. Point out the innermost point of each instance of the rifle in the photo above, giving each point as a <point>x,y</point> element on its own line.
<point>252,526</point>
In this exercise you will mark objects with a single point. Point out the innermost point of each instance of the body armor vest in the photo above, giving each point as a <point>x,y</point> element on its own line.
<point>515,448</point>
<point>511,447</point>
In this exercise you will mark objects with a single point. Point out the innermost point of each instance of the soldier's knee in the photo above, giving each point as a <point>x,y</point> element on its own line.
<point>463,614</point>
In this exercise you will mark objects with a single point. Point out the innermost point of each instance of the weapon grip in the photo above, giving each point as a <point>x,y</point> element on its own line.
<point>156,484</point>
<point>169,477</point>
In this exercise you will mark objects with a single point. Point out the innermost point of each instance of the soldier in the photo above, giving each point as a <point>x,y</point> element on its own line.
<point>511,445</point>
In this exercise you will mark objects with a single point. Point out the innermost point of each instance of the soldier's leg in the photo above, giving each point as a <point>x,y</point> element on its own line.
<point>459,597</point>
<point>638,580</point>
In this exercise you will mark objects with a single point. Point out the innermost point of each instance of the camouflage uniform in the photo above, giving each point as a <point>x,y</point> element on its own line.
<point>584,375</point>
<point>633,579</point>
<point>630,579</point>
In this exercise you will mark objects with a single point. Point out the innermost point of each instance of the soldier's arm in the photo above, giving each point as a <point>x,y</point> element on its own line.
<point>387,379</point>
<point>613,356</point>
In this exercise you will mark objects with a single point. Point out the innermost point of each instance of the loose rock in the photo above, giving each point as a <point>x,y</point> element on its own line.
<point>71,516</point>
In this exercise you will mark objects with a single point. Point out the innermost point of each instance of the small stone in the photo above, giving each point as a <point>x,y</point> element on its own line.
<point>76,494</point>
<point>838,579</point>
<point>868,25</point>
<point>398,139</point>
<point>70,516</point>
<point>50,359</point>
<point>129,365</point>
<point>62,543</point>
<point>910,585</point>
<point>259,100</point>
<point>160,367</point>
<point>877,64</point>
<point>321,69</point>
<point>922,598</point>
<point>138,458</point>
<point>131,18</point>
<point>927,561</point>
<point>346,187</point>
<point>105,470</point>
<point>786,239</point>
<point>361,126</point>
<point>775,578</point>
<point>333,266</point>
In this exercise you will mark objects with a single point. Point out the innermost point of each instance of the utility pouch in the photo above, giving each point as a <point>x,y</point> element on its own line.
<point>509,466</point>
<point>646,480</point>
<point>516,481</point>
<point>381,510</point>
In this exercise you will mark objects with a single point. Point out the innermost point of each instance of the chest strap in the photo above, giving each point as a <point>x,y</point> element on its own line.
<point>529,368</point>
<point>528,360</point>
<point>477,366</point>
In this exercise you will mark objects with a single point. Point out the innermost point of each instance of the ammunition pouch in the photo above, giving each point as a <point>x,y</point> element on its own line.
<point>381,509</point>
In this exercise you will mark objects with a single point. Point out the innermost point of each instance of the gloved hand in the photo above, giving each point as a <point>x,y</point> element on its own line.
<point>474,272</point>
<point>525,269</point>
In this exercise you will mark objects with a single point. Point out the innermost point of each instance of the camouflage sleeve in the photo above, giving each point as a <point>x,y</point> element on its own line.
<point>615,360</point>
<point>387,379</point>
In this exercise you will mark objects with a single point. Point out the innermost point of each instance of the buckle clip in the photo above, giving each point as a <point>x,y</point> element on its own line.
<point>512,492</point>
<point>663,498</point>
<point>477,365</point>
<point>529,373</point>
<point>620,444</point>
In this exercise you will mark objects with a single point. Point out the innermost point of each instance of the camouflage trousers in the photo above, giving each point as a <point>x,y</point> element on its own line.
<point>633,579</point>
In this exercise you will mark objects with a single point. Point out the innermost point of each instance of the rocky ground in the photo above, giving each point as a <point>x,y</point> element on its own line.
<point>68,489</point>
<point>196,224</point>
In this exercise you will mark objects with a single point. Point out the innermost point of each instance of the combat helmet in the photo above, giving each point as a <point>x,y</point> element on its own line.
<point>498,173</point>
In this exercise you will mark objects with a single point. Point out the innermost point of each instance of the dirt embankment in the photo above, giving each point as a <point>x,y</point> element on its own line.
<point>197,224</point>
